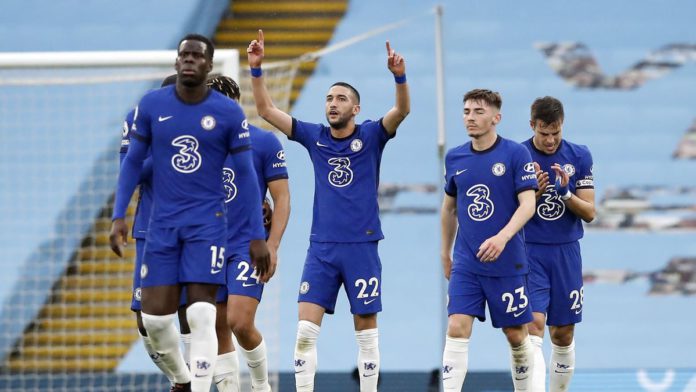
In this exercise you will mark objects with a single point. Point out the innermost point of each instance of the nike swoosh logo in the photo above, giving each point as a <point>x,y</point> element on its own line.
<point>301,371</point>
<point>578,311</point>
<point>446,378</point>
<point>460,172</point>
<point>370,301</point>
<point>213,272</point>
<point>365,375</point>
<point>248,284</point>
<point>253,367</point>
<point>560,372</point>
<point>321,145</point>
<point>520,313</point>
<point>160,118</point>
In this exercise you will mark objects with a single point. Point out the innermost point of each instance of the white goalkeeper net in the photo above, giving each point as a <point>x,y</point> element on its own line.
<point>65,320</point>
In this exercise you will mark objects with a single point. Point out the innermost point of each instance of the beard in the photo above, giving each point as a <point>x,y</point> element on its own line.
<point>190,80</point>
<point>338,123</point>
<point>477,133</point>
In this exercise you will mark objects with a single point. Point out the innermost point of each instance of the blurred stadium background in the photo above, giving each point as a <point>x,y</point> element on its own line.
<point>624,70</point>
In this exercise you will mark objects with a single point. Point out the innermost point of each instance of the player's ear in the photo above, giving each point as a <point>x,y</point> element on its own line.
<point>356,110</point>
<point>497,118</point>
<point>531,124</point>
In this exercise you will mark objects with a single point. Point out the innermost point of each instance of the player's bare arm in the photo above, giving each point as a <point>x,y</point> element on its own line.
<point>397,114</point>
<point>491,248</point>
<point>582,202</point>
<point>448,224</point>
<point>542,180</point>
<point>264,104</point>
<point>280,193</point>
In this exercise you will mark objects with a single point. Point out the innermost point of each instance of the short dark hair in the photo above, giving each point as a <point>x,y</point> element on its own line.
<point>349,87</point>
<point>491,98</point>
<point>225,85</point>
<point>209,47</point>
<point>547,109</point>
<point>169,80</point>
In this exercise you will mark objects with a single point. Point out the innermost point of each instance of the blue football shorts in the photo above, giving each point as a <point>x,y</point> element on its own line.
<point>506,297</point>
<point>187,254</point>
<point>241,277</point>
<point>354,265</point>
<point>555,282</point>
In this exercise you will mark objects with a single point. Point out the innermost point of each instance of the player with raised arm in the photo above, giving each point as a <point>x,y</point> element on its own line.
<point>190,130</point>
<point>489,196</point>
<point>565,198</point>
<point>140,224</point>
<point>345,227</point>
<point>238,302</point>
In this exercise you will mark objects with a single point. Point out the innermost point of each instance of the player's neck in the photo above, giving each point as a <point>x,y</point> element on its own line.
<point>485,141</point>
<point>344,131</point>
<point>193,94</point>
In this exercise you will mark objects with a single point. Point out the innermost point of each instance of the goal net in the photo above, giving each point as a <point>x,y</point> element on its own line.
<point>65,320</point>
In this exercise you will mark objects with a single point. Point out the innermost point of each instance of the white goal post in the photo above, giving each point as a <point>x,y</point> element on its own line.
<point>225,62</point>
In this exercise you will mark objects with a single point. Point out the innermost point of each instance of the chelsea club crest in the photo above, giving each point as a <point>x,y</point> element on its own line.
<point>356,145</point>
<point>208,123</point>
<point>498,169</point>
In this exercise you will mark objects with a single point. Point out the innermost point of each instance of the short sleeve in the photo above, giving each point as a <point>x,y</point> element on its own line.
<point>240,138</point>
<point>141,128</point>
<point>274,165</point>
<point>305,133</point>
<point>381,132</point>
<point>450,185</point>
<point>584,178</point>
<point>125,132</point>
<point>523,170</point>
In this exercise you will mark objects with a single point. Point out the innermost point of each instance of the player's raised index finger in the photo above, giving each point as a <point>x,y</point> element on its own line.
<point>389,50</point>
<point>260,36</point>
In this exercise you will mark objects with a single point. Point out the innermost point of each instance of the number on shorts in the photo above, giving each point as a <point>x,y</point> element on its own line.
<point>245,267</point>
<point>510,299</point>
<point>217,259</point>
<point>578,297</point>
<point>363,284</point>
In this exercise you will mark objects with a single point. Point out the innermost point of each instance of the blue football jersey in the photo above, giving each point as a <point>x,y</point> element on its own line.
<point>269,163</point>
<point>486,184</point>
<point>189,145</point>
<point>553,222</point>
<point>346,177</point>
<point>142,213</point>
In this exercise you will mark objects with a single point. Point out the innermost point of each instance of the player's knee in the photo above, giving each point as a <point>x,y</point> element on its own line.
<point>536,327</point>
<point>154,324</point>
<point>221,326</point>
<point>458,329</point>
<point>562,336</point>
<point>307,334</point>
<point>201,315</point>
<point>515,335</point>
<point>241,328</point>
<point>365,321</point>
